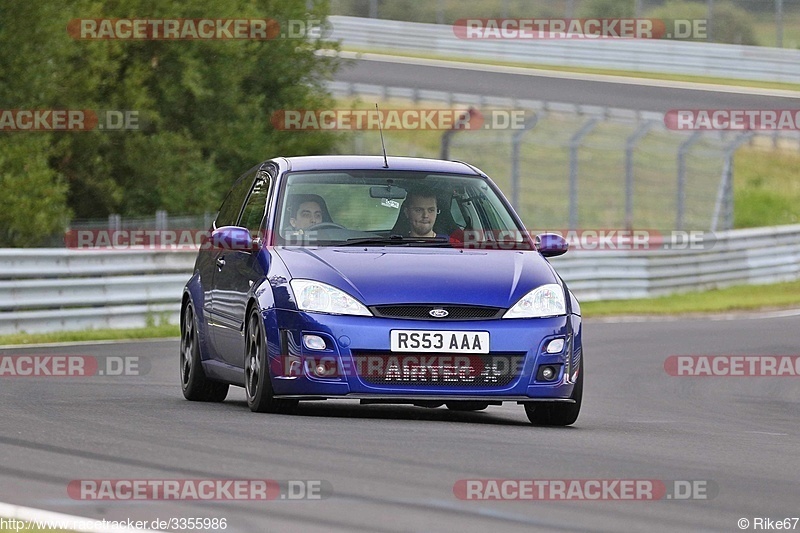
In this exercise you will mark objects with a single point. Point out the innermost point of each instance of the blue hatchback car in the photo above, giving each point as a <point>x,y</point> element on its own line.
<point>399,280</point>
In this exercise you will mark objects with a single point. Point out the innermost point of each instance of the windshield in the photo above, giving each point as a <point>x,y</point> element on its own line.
<point>394,208</point>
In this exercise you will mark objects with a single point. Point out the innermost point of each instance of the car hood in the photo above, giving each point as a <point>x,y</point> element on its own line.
<point>496,278</point>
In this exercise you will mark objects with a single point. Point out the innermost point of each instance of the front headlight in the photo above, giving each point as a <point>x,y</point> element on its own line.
<point>547,300</point>
<point>322,298</point>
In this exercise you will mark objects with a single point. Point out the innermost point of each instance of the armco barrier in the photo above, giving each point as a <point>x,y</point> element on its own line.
<point>737,257</point>
<point>674,57</point>
<point>53,289</point>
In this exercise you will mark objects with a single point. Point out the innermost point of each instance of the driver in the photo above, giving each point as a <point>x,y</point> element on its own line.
<point>307,214</point>
<point>420,208</point>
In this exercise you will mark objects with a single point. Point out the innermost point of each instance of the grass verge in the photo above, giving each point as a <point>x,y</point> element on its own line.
<point>738,298</point>
<point>154,332</point>
<point>766,188</point>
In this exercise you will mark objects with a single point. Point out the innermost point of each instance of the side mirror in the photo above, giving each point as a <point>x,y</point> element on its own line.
<point>234,238</point>
<point>551,244</point>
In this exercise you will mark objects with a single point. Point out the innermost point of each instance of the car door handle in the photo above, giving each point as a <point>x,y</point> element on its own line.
<point>220,262</point>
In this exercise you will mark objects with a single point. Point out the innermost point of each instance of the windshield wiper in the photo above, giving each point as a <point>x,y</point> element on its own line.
<point>396,240</point>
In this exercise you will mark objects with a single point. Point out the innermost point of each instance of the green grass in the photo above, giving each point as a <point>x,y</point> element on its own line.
<point>411,143</point>
<point>154,332</point>
<point>766,188</point>
<point>763,84</point>
<point>738,298</point>
<point>766,32</point>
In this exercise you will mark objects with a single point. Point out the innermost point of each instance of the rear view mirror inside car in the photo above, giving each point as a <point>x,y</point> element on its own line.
<point>389,192</point>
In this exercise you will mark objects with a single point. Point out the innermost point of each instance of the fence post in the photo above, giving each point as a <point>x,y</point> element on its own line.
<point>516,140</point>
<point>681,200</point>
<point>723,206</point>
<point>630,144</point>
<point>444,151</point>
<point>161,220</point>
<point>574,144</point>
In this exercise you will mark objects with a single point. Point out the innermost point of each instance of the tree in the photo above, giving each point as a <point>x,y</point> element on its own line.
<point>203,106</point>
<point>34,195</point>
<point>599,9</point>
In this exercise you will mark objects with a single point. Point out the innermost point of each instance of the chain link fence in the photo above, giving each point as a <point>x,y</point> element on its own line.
<point>571,171</point>
<point>575,167</point>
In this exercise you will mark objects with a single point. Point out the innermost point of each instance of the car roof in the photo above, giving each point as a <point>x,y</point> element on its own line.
<point>374,162</point>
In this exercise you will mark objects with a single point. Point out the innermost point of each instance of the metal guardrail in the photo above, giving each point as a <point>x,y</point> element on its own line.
<point>674,57</point>
<point>48,290</point>
<point>737,257</point>
<point>56,289</point>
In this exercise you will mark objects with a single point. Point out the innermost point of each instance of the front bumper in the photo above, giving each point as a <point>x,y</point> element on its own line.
<point>348,339</point>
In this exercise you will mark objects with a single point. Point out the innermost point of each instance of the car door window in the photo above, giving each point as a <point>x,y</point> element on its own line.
<point>254,209</point>
<point>232,206</point>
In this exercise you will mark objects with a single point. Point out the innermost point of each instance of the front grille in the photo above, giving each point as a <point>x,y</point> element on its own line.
<point>422,312</point>
<point>438,370</point>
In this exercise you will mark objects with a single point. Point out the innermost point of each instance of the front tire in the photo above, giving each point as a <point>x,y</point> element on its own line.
<point>258,384</point>
<point>194,383</point>
<point>558,414</point>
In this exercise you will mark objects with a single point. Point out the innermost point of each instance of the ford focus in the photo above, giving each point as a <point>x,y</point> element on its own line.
<point>399,280</point>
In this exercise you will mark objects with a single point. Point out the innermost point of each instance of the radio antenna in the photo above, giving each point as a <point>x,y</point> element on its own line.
<point>380,128</point>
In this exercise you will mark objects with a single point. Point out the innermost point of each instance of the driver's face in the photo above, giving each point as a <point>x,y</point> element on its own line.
<point>421,213</point>
<point>308,214</point>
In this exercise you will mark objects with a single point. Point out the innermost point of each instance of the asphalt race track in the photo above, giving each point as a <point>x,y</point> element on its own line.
<point>647,95</point>
<point>393,468</point>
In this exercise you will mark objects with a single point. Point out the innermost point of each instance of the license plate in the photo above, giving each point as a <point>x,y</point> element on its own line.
<point>403,340</point>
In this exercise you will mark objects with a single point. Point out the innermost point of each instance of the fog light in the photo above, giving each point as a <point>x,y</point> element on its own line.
<point>548,372</point>
<point>325,367</point>
<point>555,346</point>
<point>314,342</point>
